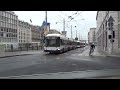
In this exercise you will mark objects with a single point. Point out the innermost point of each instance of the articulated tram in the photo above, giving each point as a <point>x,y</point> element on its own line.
<point>78,44</point>
<point>58,43</point>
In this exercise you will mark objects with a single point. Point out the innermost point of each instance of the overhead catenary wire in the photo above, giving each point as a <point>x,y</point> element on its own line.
<point>59,20</point>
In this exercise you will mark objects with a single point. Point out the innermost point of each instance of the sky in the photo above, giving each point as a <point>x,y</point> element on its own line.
<point>83,20</point>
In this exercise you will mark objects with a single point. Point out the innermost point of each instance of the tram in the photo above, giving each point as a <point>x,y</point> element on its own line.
<point>78,44</point>
<point>58,43</point>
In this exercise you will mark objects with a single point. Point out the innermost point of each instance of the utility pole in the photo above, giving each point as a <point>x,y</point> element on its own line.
<point>79,36</point>
<point>44,29</point>
<point>71,31</point>
<point>46,19</point>
<point>76,33</point>
<point>63,24</point>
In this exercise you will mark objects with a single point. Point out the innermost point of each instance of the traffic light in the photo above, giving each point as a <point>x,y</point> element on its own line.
<point>110,36</point>
<point>113,34</point>
<point>110,24</point>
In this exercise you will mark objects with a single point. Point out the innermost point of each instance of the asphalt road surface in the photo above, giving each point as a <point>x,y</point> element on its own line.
<point>53,63</point>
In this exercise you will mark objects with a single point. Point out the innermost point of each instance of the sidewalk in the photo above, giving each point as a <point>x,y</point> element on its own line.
<point>95,53</point>
<point>107,54</point>
<point>20,53</point>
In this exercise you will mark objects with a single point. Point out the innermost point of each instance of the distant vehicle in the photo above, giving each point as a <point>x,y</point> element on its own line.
<point>82,44</point>
<point>78,44</point>
<point>58,43</point>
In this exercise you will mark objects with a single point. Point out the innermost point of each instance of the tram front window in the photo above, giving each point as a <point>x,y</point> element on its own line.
<point>78,43</point>
<point>52,42</point>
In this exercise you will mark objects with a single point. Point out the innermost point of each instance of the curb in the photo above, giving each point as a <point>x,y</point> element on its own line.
<point>112,56</point>
<point>15,55</point>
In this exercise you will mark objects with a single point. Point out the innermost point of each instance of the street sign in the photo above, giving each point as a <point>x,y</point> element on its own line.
<point>109,36</point>
<point>111,19</point>
<point>110,24</point>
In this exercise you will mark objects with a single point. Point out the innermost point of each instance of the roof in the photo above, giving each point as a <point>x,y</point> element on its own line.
<point>78,41</point>
<point>61,36</point>
<point>57,35</point>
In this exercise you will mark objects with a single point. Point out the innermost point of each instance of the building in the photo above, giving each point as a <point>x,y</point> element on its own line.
<point>103,31</point>
<point>24,34</point>
<point>8,29</point>
<point>92,36</point>
<point>36,35</point>
<point>45,27</point>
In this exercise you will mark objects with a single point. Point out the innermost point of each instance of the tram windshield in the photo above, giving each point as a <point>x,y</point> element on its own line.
<point>52,42</point>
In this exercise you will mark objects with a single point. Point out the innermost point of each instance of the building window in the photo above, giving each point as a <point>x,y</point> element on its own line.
<point>16,30</point>
<point>0,12</point>
<point>0,17</point>
<point>7,29</point>
<point>3,13</point>
<point>8,15</point>
<point>1,34</point>
<point>1,28</point>
<point>12,30</point>
<point>7,35</point>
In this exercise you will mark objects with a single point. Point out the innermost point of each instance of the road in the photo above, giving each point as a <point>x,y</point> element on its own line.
<point>53,63</point>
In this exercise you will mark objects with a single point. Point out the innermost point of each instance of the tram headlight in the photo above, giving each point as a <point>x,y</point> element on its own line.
<point>58,49</point>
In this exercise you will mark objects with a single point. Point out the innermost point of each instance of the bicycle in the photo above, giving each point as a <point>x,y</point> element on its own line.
<point>91,51</point>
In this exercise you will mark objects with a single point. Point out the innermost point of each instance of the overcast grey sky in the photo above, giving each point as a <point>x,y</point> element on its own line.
<point>82,26</point>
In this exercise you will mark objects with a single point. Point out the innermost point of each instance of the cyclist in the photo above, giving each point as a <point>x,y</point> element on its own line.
<point>92,47</point>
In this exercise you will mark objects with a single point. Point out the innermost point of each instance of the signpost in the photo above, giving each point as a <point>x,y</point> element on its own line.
<point>110,24</point>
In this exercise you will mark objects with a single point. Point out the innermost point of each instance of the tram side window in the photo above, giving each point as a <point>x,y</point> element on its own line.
<point>68,42</point>
<point>65,42</point>
<point>58,41</point>
<point>62,42</point>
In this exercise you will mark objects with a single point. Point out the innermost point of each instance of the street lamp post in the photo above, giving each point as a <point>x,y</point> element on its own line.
<point>71,31</point>
<point>76,34</point>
